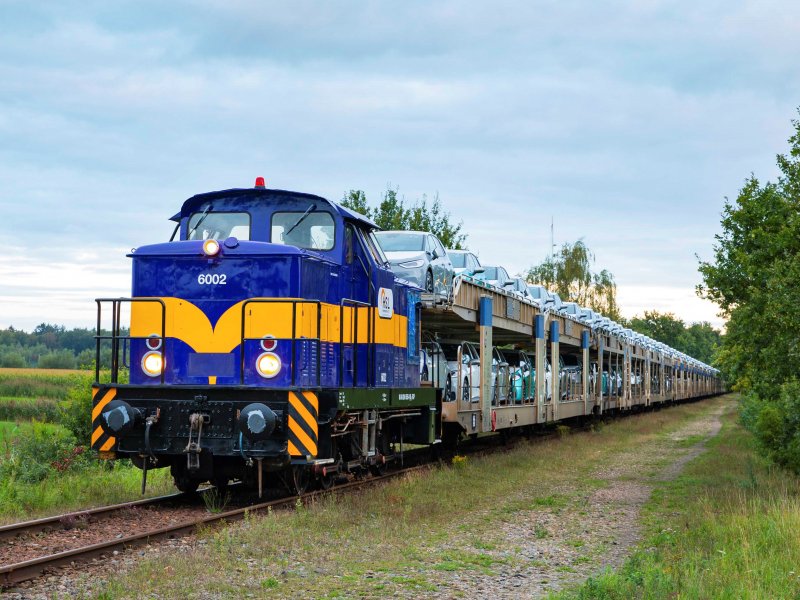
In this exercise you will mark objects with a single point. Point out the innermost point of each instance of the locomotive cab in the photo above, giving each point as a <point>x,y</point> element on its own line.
<point>269,325</point>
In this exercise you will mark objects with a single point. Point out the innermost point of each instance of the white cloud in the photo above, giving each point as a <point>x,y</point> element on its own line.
<point>628,121</point>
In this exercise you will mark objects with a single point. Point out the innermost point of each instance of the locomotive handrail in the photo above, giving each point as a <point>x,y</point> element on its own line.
<point>294,303</point>
<point>115,337</point>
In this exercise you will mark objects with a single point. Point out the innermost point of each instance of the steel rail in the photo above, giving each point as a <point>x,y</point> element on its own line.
<point>60,521</point>
<point>29,569</point>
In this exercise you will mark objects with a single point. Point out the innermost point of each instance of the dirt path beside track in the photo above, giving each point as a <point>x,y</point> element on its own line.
<point>544,551</point>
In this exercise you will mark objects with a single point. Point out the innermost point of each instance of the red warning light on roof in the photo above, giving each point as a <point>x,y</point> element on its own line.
<point>260,182</point>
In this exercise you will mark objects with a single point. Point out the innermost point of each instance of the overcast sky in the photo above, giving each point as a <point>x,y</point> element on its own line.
<point>628,122</point>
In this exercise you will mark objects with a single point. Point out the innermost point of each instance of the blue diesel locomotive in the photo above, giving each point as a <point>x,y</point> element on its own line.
<point>269,337</point>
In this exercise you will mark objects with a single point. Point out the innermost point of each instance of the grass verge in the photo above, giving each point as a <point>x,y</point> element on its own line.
<point>726,528</point>
<point>94,483</point>
<point>418,536</point>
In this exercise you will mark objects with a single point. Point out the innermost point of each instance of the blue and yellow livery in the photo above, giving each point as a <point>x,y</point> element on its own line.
<point>270,334</point>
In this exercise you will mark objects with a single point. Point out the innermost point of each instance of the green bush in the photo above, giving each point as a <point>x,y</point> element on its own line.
<point>86,359</point>
<point>777,425</point>
<point>12,360</point>
<point>61,359</point>
<point>41,450</point>
<point>75,411</point>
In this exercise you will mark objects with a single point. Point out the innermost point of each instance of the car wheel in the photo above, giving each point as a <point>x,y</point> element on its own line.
<point>465,395</point>
<point>429,282</point>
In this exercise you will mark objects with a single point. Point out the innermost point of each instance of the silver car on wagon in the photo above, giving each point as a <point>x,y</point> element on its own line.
<point>418,257</point>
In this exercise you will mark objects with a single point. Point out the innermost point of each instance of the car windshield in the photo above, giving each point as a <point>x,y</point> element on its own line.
<point>490,272</point>
<point>450,351</point>
<point>458,259</point>
<point>400,242</point>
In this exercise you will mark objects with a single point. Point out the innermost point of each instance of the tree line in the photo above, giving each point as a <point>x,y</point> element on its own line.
<point>754,277</point>
<point>48,346</point>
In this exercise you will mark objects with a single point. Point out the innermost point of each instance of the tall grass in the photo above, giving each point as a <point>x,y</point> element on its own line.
<point>727,528</point>
<point>28,409</point>
<point>98,485</point>
<point>57,486</point>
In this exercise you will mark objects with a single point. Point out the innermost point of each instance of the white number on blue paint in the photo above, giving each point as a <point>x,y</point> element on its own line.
<point>212,279</point>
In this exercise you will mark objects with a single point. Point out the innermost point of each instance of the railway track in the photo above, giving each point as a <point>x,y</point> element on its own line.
<point>12,574</point>
<point>78,517</point>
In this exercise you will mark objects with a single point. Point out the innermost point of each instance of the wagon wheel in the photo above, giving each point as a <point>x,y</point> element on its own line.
<point>382,446</point>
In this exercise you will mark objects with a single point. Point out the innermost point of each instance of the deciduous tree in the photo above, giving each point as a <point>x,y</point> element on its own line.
<point>393,214</point>
<point>569,273</point>
<point>755,278</point>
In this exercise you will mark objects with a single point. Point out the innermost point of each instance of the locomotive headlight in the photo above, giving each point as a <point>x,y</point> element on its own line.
<point>268,365</point>
<point>412,264</point>
<point>211,247</point>
<point>152,364</point>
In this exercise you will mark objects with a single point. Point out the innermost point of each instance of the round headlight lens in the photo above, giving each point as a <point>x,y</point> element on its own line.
<point>211,247</point>
<point>152,364</point>
<point>268,365</point>
<point>269,343</point>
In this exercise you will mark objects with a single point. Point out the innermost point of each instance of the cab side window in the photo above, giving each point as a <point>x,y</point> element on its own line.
<point>349,240</point>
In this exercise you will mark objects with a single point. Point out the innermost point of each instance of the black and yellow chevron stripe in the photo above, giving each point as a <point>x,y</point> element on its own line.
<point>303,428</point>
<point>101,396</point>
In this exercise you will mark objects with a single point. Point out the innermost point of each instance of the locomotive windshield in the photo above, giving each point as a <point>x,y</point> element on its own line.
<point>305,229</point>
<point>219,225</point>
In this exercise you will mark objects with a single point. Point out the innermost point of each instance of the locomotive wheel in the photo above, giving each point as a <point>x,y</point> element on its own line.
<point>429,282</point>
<point>326,481</point>
<point>299,479</point>
<point>221,483</point>
<point>186,484</point>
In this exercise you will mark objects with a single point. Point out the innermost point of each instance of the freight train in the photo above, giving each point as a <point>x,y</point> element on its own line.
<point>269,340</point>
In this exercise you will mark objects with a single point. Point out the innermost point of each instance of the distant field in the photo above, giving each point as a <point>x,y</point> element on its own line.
<point>36,383</point>
<point>26,371</point>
